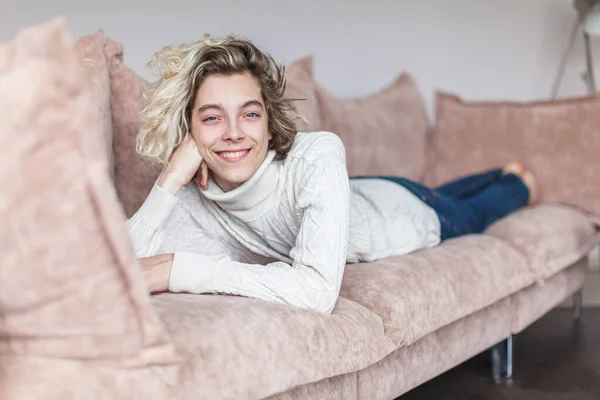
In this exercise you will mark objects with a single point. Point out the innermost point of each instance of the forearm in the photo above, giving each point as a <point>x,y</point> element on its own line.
<point>157,270</point>
<point>278,282</point>
<point>169,182</point>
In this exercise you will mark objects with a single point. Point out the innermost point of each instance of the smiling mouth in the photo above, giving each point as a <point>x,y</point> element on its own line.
<point>233,156</point>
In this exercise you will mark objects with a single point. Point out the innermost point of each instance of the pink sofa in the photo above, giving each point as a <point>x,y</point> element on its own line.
<point>76,321</point>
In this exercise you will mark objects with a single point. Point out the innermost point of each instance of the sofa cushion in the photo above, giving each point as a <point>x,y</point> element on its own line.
<point>340,387</point>
<point>91,49</point>
<point>300,85</point>
<point>70,287</point>
<point>535,301</point>
<point>552,237</point>
<point>417,293</point>
<point>236,347</point>
<point>385,133</point>
<point>134,176</point>
<point>413,365</point>
<point>557,139</point>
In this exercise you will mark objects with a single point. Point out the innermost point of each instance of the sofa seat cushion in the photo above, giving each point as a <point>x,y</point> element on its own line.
<point>417,293</point>
<point>235,347</point>
<point>552,237</point>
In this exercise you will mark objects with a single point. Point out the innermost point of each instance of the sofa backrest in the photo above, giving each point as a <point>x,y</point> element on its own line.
<point>559,140</point>
<point>384,132</point>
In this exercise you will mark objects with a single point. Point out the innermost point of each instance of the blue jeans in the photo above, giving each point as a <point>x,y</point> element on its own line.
<point>470,204</point>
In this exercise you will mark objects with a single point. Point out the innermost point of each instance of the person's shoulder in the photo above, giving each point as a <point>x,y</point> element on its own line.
<point>321,145</point>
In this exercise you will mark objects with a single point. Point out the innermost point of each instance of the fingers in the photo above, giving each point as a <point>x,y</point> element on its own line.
<point>204,175</point>
<point>198,178</point>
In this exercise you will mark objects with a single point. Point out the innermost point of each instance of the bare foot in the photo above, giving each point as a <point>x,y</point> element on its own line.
<point>530,181</point>
<point>514,167</point>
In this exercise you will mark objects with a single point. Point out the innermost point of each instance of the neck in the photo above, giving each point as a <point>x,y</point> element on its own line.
<point>250,199</point>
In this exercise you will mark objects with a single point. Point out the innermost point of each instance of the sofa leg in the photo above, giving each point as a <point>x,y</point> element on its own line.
<point>508,367</point>
<point>496,363</point>
<point>577,304</point>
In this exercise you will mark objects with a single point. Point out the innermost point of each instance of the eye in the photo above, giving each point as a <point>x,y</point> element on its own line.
<point>252,115</point>
<point>211,118</point>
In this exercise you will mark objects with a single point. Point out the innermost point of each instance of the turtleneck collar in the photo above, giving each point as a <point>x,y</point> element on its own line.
<point>251,199</point>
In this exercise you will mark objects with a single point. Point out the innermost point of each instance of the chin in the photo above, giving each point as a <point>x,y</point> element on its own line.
<point>240,177</point>
<point>233,179</point>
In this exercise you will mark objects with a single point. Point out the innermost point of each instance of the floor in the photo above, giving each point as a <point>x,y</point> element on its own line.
<point>556,358</point>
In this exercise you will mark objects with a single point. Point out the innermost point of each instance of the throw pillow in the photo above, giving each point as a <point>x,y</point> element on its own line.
<point>70,287</point>
<point>557,139</point>
<point>134,176</point>
<point>91,50</point>
<point>385,133</point>
<point>300,85</point>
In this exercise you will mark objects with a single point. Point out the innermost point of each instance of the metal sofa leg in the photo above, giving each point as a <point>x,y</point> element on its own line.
<point>577,304</point>
<point>496,363</point>
<point>508,366</point>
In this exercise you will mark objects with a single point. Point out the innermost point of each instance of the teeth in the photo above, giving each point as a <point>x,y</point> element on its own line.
<point>233,154</point>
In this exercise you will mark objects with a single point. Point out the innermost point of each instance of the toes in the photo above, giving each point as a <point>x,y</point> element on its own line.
<point>514,167</point>
<point>531,183</point>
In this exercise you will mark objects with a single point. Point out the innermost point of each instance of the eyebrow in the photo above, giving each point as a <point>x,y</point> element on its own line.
<point>216,106</point>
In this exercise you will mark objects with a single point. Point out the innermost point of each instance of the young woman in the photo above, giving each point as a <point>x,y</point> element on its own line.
<point>247,206</point>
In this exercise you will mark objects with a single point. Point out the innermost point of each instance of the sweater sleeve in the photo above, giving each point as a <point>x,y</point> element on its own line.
<point>145,226</point>
<point>313,279</point>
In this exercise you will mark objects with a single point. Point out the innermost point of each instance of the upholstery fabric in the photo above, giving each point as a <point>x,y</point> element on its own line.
<point>69,285</point>
<point>243,348</point>
<point>36,378</point>
<point>554,139</point>
<point>418,293</point>
<point>532,303</point>
<point>91,50</point>
<point>385,133</point>
<point>552,237</point>
<point>410,366</point>
<point>341,387</point>
<point>300,85</point>
<point>134,176</point>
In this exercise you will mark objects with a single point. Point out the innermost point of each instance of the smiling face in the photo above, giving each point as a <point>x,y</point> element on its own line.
<point>229,123</point>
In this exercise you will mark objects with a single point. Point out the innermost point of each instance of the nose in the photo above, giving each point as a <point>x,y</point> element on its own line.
<point>233,133</point>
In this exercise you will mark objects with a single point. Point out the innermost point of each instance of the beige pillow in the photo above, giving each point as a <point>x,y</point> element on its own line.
<point>385,133</point>
<point>134,176</point>
<point>91,50</point>
<point>300,85</point>
<point>70,287</point>
<point>557,139</point>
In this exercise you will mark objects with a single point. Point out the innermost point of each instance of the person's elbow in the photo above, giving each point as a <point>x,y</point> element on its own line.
<point>316,294</point>
<point>327,306</point>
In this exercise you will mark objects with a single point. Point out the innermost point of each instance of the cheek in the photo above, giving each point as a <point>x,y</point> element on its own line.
<point>262,133</point>
<point>203,137</point>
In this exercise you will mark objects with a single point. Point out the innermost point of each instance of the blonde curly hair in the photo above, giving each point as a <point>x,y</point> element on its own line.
<point>165,122</point>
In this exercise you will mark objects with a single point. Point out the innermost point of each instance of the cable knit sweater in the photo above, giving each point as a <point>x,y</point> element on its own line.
<point>287,233</point>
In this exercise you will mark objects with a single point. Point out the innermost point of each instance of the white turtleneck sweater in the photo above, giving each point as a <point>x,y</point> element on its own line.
<point>287,233</point>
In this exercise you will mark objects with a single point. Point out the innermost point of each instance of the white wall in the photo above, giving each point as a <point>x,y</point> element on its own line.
<point>480,49</point>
